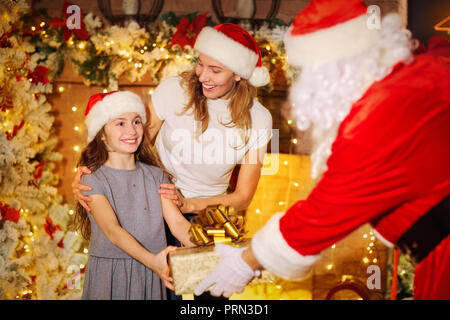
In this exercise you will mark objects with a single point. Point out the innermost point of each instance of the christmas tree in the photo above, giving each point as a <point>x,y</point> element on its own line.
<point>39,258</point>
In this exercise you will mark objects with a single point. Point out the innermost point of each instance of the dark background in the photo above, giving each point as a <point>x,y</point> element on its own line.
<point>423,15</point>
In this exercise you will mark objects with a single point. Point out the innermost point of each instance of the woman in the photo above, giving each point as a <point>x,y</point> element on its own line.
<point>209,121</point>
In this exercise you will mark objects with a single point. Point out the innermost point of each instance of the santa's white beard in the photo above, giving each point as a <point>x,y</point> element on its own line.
<point>322,95</point>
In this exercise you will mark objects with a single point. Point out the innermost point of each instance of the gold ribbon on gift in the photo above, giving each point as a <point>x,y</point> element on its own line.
<point>217,224</point>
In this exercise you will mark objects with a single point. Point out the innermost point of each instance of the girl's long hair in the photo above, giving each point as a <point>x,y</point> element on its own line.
<point>93,156</point>
<point>241,101</point>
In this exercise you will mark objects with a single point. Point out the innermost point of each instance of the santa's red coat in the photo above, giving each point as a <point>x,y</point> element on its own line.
<point>390,164</point>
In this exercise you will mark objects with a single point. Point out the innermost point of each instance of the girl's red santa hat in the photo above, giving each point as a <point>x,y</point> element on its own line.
<point>102,107</point>
<point>234,48</point>
<point>329,30</point>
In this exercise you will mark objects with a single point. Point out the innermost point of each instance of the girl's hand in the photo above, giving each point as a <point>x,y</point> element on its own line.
<point>162,268</point>
<point>169,191</point>
<point>77,187</point>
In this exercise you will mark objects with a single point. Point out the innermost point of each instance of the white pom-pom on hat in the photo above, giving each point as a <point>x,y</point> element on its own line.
<point>260,77</point>
<point>235,48</point>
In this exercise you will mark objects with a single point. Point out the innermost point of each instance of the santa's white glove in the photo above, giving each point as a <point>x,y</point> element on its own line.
<point>231,275</point>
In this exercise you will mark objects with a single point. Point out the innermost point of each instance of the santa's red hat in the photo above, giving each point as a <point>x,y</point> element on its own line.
<point>102,107</point>
<point>234,48</point>
<point>328,30</point>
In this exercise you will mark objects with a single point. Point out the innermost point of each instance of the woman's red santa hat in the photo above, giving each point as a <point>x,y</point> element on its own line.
<point>328,31</point>
<point>105,106</point>
<point>234,48</point>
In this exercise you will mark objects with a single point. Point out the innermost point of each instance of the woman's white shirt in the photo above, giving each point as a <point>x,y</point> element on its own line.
<point>202,163</point>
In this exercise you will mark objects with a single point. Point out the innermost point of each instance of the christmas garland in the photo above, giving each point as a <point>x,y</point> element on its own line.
<point>103,55</point>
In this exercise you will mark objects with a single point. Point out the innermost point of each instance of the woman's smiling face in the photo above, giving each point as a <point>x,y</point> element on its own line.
<point>217,80</point>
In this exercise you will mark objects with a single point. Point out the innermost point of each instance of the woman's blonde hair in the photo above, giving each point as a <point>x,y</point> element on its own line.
<point>241,101</point>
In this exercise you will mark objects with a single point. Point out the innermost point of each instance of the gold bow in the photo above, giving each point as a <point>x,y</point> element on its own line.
<point>217,224</point>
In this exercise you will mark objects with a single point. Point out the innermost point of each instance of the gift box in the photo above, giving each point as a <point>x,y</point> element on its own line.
<point>189,266</point>
<point>216,224</point>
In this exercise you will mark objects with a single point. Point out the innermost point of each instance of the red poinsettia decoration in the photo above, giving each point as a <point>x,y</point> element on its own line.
<point>81,32</point>
<point>9,214</point>
<point>39,74</point>
<point>187,31</point>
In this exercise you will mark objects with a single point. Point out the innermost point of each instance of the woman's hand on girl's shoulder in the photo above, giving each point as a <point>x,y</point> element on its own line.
<point>169,191</point>
<point>77,187</point>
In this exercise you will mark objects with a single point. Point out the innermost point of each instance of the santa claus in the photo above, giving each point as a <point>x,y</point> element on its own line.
<point>380,119</point>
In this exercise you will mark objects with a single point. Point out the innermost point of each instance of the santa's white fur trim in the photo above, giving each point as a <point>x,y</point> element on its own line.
<point>110,107</point>
<point>383,239</point>
<point>340,41</point>
<point>227,51</point>
<point>275,255</point>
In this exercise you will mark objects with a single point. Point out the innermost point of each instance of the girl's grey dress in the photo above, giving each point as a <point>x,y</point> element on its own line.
<point>110,272</point>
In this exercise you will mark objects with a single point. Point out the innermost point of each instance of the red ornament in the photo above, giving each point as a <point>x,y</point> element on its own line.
<point>81,33</point>
<point>187,31</point>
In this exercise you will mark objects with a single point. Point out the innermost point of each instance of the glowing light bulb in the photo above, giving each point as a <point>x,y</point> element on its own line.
<point>258,211</point>
<point>74,108</point>
<point>289,121</point>
<point>76,148</point>
<point>294,141</point>
<point>330,266</point>
<point>76,128</point>
<point>71,212</point>
<point>61,89</point>
<point>366,260</point>
<point>150,92</point>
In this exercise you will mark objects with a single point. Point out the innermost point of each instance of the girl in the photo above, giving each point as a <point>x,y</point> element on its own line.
<point>207,121</point>
<point>128,248</point>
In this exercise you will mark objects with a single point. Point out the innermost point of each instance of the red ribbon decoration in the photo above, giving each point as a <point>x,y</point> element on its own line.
<point>15,130</point>
<point>187,31</point>
<point>50,228</point>
<point>38,173</point>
